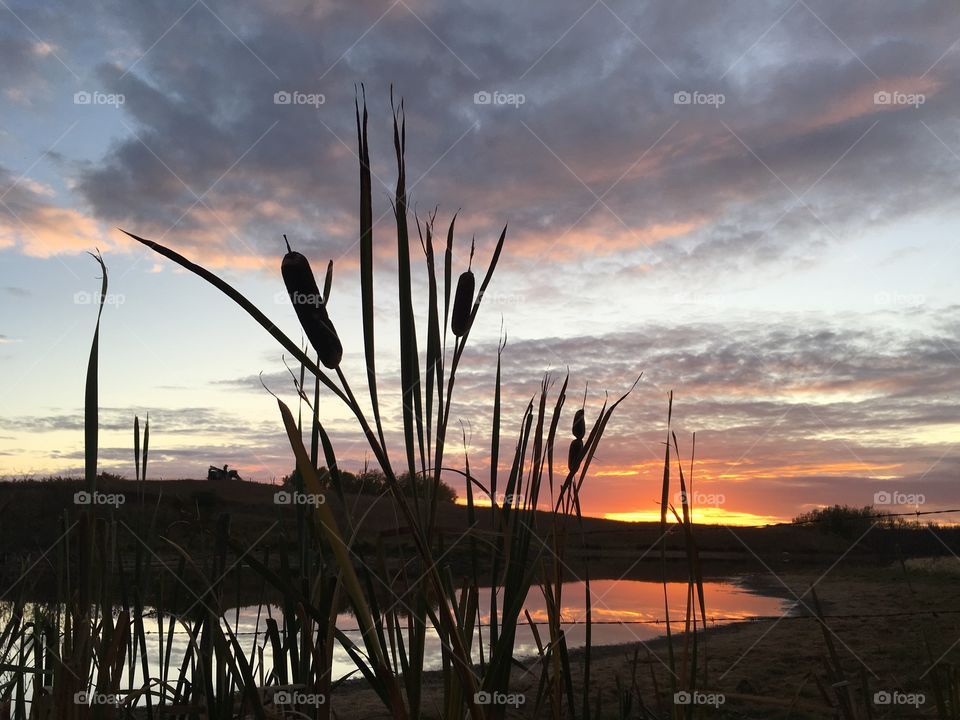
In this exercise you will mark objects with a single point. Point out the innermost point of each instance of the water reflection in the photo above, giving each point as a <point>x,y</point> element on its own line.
<point>623,611</point>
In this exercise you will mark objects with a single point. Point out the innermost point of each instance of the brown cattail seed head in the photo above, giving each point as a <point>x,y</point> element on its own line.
<point>312,313</point>
<point>575,455</point>
<point>579,425</point>
<point>463,304</point>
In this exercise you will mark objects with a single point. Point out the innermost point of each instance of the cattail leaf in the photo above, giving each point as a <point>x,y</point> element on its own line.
<point>366,262</point>
<point>434,369</point>
<point>536,457</point>
<point>136,446</point>
<point>664,501</point>
<point>90,400</point>
<point>146,446</point>
<point>249,307</point>
<point>448,272</point>
<point>552,435</point>
<point>409,356</point>
<point>315,425</point>
<point>327,283</point>
<point>588,642</point>
<point>665,489</point>
<point>495,428</point>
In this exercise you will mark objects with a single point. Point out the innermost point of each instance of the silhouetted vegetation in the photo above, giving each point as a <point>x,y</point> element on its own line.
<point>374,482</point>
<point>847,520</point>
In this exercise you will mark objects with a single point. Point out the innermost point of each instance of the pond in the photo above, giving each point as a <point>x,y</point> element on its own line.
<point>623,611</point>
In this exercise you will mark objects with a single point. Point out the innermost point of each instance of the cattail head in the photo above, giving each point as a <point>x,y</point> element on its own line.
<point>575,455</point>
<point>311,311</point>
<point>463,304</point>
<point>579,425</point>
<point>463,301</point>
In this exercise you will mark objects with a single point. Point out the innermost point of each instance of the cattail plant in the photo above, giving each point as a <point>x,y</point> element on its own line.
<point>311,307</point>
<point>476,660</point>
<point>327,568</point>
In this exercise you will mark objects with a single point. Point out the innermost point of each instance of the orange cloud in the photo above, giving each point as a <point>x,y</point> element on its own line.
<point>46,230</point>
<point>598,238</point>
<point>880,95</point>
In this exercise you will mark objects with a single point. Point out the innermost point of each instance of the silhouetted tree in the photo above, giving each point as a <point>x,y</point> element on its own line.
<point>373,482</point>
<point>848,521</point>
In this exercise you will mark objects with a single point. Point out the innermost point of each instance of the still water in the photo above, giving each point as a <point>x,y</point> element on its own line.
<point>623,611</point>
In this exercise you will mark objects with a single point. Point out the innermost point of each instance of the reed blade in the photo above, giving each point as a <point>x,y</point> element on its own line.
<point>366,261</point>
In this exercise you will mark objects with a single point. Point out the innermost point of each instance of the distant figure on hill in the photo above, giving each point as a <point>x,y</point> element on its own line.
<point>215,473</point>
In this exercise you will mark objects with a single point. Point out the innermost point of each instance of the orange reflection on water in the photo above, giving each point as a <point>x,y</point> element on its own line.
<point>635,602</point>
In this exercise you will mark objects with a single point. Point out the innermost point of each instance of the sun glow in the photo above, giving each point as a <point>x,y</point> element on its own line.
<point>706,516</point>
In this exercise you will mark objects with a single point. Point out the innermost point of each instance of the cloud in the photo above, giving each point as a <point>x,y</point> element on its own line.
<point>613,190</point>
<point>31,222</point>
<point>788,415</point>
<point>785,415</point>
<point>179,421</point>
<point>597,159</point>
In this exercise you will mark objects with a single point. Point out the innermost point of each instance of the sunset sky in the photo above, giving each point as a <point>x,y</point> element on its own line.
<point>753,204</point>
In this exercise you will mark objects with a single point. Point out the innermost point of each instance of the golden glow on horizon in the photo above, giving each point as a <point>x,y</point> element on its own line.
<point>706,516</point>
<point>478,501</point>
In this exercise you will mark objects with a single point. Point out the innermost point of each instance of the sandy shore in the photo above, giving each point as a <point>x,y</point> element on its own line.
<point>876,618</point>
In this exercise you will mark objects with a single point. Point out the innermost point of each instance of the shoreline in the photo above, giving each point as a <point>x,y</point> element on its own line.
<point>771,665</point>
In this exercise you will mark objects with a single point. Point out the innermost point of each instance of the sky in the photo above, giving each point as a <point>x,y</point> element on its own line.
<point>753,205</point>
